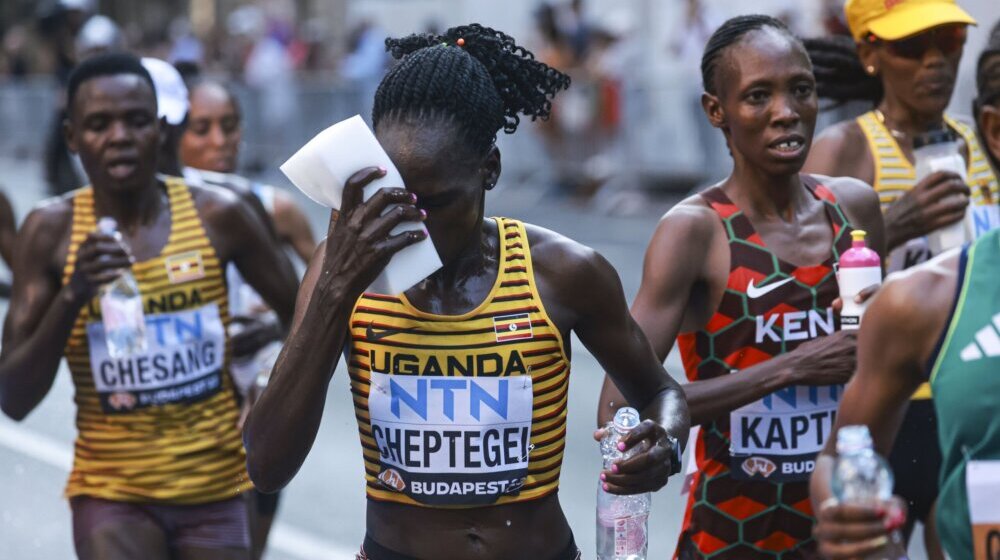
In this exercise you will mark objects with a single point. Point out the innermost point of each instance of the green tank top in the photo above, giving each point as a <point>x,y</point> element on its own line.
<point>965,382</point>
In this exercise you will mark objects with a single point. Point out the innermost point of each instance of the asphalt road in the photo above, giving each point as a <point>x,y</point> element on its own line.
<point>322,510</point>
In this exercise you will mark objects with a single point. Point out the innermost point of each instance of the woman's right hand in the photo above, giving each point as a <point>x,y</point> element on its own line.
<point>99,260</point>
<point>854,531</point>
<point>359,243</point>
<point>940,199</point>
<point>827,360</point>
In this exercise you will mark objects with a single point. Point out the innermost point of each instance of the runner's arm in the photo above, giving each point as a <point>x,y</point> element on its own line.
<point>255,251</point>
<point>282,426</point>
<point>608,331</point>
<point>841,150</point>
<point>899,332</point>
<point>42,312</point>
<point>8,230</point>
<point>611,334</point>
<point>677,258</point>
<point>293,226</point>
<point>283,423</point>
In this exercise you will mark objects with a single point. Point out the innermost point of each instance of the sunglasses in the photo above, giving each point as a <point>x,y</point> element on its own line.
<point>948,39</point>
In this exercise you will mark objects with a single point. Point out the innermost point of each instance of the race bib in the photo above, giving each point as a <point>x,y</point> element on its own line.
<point>982,481</point>
<point>182,363</point>
<point>777,438</point>
<point>909,254</point>
<point>983,219</point>
<point>452,440</point>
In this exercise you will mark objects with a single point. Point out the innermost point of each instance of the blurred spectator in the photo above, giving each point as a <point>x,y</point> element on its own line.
<point>269,71</point>
<point>614,53</point>
<point>58,25</point>
<point>691,34</point>
<point>63,171</point>
<point>833,18</point>
<point>576,28</point>
<point>365,63</point>
<point>366,58</point>
<point>98,35</point>
<point>14,59</point>
<point>186,47</point>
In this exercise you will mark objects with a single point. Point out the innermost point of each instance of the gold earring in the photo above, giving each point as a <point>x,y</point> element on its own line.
<point>870,69</point>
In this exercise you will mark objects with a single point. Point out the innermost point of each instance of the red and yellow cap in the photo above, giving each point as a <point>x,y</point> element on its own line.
<point>894,19</point>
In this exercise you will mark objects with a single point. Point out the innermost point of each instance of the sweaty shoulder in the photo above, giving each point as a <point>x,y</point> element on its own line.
<point>855,195</point>
<point>46,229</point>
<point>216,203</point>
<point>554,255</point>
<point>693,218</point>
<point>915,303</point>
<point>841,149</point>
<point>227,216</point>
<point>571,277</point>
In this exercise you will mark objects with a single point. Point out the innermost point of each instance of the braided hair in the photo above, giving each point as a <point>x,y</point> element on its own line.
<point>840,77</point>
<point>988,82</point>
<point>727,35</point>
<point>471,75</point>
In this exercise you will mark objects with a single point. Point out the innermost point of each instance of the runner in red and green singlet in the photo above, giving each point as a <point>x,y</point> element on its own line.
<point>742,276</point>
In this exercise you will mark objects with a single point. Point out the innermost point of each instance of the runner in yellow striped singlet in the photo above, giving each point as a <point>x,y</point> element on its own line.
<point>194,435</point>
<point>158,465</point>
<point>895,176</point>
<point>509,334</point>
<point>904,63</point>
<point>459,384</point>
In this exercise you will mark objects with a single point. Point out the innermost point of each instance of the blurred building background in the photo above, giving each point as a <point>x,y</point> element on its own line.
<point>631,121</point>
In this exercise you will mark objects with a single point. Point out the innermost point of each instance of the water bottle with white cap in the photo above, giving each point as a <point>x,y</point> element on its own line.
<point>121,307</point>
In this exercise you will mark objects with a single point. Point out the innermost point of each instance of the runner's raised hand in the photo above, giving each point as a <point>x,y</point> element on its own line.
<point>359,242</point>
<point>99,260</point>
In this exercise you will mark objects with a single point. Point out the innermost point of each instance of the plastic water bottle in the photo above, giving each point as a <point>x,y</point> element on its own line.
<point>622,521</point>
<point>938,150</point>
<point>121,307</point>
<point>859,268</point>
<point>862,477</point>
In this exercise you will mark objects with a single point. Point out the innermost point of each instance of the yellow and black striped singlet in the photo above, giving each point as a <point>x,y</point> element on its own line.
<point>159,426</point>
<point>462,410</point>
<point>895,175</point>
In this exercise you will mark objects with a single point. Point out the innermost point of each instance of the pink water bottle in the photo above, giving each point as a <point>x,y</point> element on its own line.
<point>859,268</point>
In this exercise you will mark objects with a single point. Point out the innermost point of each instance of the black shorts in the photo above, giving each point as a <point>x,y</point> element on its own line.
<point>371,550</point>
<point>916,460</point>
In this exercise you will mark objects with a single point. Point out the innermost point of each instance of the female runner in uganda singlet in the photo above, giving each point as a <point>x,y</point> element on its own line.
<point>160,426</point>
<point>750,491</point>
<point>462,410</point>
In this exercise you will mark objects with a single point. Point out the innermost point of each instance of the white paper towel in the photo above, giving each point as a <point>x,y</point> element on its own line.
<point>321,168</point>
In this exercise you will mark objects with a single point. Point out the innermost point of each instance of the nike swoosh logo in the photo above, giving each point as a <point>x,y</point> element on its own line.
<point>372,335</point>
<point>754,292</point>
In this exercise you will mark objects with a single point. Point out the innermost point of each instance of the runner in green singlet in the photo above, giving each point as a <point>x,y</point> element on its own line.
<point>937,322</point>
